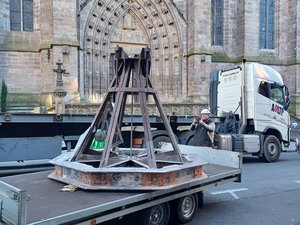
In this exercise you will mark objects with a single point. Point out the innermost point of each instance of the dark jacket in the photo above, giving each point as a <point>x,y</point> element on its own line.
<point>203,133</point>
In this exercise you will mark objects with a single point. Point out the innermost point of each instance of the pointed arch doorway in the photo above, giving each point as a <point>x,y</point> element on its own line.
<point>131,26</point>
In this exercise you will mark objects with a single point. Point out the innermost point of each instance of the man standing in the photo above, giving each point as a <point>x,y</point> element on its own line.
<point>204,129</point>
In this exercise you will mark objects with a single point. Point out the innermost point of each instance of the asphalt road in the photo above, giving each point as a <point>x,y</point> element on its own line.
<point>269,194</point>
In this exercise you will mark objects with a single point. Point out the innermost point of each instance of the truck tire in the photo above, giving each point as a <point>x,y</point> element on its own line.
<point>185,136</point>
<point>272,148</point>
<point>190,141</point>
<point>158,137</point>
<point>157,215</point>
<point>157,141</point>
<point>186,208</point>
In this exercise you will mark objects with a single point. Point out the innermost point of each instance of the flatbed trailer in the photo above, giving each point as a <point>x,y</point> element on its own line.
<point>48,125</point>
<point>31,140</point>
<point>35,199</point>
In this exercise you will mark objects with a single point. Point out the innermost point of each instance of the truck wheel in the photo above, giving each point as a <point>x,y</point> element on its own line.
<point>272,148</point>
<point>157,141</point>
<point>159,137</point>
<point>185,136</point>
<point>157,215</point>
<point>190,141</point>
<point>187,208</point>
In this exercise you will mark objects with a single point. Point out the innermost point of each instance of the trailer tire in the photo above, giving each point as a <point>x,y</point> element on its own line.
<point>272,148</point>
<point>186,208</point>
<point>200,199</point>
<point>157,215</point>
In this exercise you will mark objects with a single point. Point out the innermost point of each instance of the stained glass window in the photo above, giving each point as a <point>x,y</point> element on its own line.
<point>21,15</point>
<point>217,22</point>
<point>266,26</point>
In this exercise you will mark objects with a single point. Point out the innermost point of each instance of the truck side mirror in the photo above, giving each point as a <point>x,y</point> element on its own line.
<point>294,124</point>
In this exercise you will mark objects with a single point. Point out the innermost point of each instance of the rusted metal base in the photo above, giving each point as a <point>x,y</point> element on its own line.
<point>88,177</point>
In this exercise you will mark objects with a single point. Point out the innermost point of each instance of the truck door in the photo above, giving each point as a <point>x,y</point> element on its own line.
<point>271,101</point>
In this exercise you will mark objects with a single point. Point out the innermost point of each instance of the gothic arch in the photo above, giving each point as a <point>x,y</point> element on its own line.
<point>156,27</point>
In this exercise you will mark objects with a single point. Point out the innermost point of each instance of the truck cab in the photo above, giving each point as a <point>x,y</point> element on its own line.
<point>254,100</point>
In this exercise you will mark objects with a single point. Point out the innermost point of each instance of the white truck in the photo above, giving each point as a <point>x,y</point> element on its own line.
<point>250,103</point>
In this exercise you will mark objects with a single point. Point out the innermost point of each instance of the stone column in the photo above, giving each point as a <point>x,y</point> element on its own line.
<point>199,49</point>
<point>248,29</point>
<point>298,32</point>
<point>296,97</point>
<point>46,52</point>
<point>65,43</point>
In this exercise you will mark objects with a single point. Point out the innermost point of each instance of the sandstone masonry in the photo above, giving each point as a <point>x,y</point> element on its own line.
<point>84,33</point>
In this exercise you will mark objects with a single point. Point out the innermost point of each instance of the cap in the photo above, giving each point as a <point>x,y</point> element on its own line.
<point>205,111</point>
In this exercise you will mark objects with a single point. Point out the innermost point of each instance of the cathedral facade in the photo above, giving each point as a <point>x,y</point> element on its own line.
<point>188,39</point>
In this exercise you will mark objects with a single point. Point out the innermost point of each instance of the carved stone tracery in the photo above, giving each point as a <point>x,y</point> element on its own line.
<point>170,109</point>
<point>131,25</point>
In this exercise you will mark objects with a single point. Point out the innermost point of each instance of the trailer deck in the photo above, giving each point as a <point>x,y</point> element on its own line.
<point>35,199</point>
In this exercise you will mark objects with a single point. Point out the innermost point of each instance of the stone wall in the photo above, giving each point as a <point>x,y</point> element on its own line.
<point>84,33</point>
<point>28,58</point>
<point>25,68</point>
<point>286,31</point>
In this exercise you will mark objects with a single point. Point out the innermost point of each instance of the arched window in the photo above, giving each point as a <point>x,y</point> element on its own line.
<point>217,22</point>
<point>21,15</point>
<point>266,25</point>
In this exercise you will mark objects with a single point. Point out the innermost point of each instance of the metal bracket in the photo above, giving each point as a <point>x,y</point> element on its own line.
<point>15,197</point>
<point>7,116</point>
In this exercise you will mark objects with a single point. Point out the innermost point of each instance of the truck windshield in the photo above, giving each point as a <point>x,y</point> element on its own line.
<point>277,94</point>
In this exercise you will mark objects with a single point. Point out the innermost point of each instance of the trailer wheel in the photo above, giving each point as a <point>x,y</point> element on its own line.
<point>272,148</point>
<point>157,215</point>
<point>200,196</point>
<point>186,208</point>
